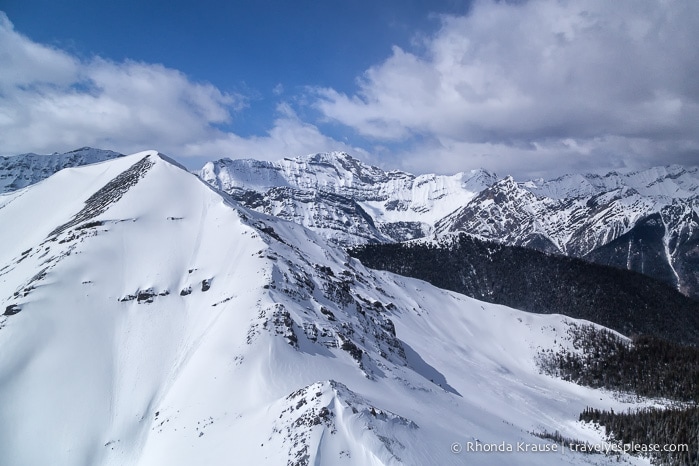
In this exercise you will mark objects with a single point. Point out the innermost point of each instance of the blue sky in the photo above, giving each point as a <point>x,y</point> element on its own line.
<point>529,88</point>
<point>242,47</point>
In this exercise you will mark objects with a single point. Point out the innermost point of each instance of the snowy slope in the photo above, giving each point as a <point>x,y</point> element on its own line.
<point>19,171</point>
<point>149,320</point>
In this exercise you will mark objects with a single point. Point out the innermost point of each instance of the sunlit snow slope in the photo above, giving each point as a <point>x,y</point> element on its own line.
<point>149,320</point>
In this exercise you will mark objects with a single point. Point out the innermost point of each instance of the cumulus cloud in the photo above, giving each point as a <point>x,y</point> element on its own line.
<point>50,100</point>
<point>53,101</point>
<point>523,86</point>
<point>289,136</point>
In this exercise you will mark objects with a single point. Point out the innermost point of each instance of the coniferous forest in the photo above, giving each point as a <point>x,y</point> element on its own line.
<point>522,278</point>
<point>670,429</point>
<point>647,366</point>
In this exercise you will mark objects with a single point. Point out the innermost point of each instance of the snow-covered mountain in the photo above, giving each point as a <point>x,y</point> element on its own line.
<point>149,319</point>
<point>637,225</point>
<point>344,199</point>
<point>600,218</point>
<point>669,182</point>
<point>19,171</point>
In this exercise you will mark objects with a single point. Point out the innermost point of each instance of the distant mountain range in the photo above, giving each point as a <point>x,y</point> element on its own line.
<point>645,221</point>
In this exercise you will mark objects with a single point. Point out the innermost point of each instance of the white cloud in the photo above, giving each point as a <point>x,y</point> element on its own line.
<point>29,64</point>
<point>547,158</point>
<point>527,88</point>
<point>511,82</point>
<point>289,137</point>
<point>51,101</point>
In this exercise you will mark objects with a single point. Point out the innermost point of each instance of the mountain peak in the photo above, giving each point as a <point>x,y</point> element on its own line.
<point>326,156</point>
<point>82,149</point>
<point>507,184</point>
